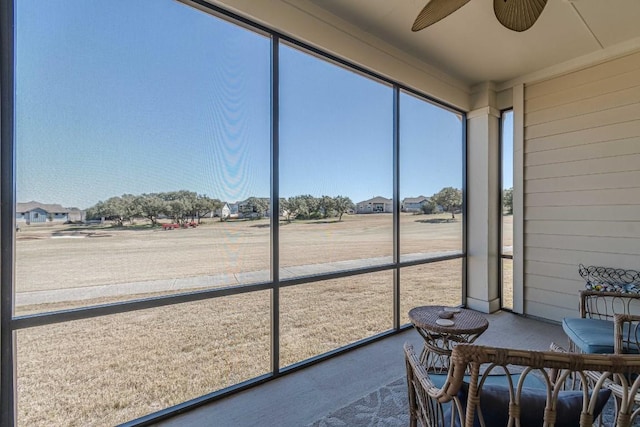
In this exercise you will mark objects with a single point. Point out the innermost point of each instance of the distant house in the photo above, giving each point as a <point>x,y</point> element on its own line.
<point>35,212</point>
<point>223,212</point>
<point>77,215</point>
<point>413,204</point>
<point>375,205</point>
<point>233,209</point>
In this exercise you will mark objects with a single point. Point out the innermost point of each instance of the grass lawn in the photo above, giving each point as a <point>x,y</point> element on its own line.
<point>110,369</point>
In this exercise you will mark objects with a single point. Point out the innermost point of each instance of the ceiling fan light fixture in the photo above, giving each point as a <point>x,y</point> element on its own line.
<point>518,15</point>
<point>434,11</point>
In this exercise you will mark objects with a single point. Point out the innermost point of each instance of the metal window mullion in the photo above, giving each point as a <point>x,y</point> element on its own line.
<point>500,213</point>
<point>396,207</point>
<point>7,215</point>
<point>465,156</point>
<point>275,205</point>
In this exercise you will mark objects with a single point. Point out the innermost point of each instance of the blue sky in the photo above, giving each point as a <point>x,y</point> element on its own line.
<point>148,96</point>
<point>507,150</point>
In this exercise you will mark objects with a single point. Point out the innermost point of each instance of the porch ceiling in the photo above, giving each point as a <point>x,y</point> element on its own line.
<point>473,47</point>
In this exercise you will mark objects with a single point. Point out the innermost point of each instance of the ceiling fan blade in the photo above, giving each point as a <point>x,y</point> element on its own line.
<point>434,11</point>
<point>518,15</point>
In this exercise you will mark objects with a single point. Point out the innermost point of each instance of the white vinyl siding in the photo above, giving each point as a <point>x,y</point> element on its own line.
<point>582,181</point>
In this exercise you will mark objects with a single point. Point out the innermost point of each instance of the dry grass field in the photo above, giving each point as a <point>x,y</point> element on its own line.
<point>111,369</point>
<point>507,264</point>
<point>47,257</point>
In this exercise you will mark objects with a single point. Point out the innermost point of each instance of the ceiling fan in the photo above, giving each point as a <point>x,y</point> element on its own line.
<point>516,15</point>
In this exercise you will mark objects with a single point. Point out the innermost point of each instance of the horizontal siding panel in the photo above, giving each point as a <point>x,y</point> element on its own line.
<point>584,167</point>
<point>584,198</point>
<point>594,73</point>
<point>619,245</point>
<point>545,311</point>
<point>591,105</point>
<point>582,181</point>
<point>616,115</point>
<point>566,291</point>
<point>579,257</point>
<point>565,302</point>
<point>575,93</point>
<point>620,147</point>
<point>583,228</point>
<point>582,213</point>
<point>553,270</point>
<point>600,181</point>
<point>584,136</point>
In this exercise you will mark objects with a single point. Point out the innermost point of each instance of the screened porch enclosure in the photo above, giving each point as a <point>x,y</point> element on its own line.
<point>256,190</point>
<point>221,246</point>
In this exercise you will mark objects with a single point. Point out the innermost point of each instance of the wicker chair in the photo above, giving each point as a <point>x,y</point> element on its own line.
<point>627,333</point>
<point>467,399</point>
<point>610,292</point>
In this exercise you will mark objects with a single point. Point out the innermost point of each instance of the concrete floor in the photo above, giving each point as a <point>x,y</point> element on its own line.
<point>304,396</point>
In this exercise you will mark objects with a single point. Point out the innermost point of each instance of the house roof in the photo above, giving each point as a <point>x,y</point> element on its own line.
<point>418,199</point>
<point>47,207</point>
<point>377,199</point>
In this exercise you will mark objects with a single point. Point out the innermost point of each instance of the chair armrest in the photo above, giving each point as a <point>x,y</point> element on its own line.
<point>442,394</point>
<point>426,399</point>
<point>627,334</point>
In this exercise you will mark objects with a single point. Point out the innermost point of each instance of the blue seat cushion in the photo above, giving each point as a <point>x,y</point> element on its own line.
<point>494,405</point>
<point>590,335</point>
<point>495,397</point>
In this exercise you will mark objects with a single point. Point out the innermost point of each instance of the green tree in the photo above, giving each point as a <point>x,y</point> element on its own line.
<point>507,201</point>
<point>178,210</point>
<point>112,210</point>
<point>296,207</point>
<point>342,205</point>
<point>449,198</point>
<point>325,206</point>
<point>152,206</point>
<point>130,208</point>
<point>202,205</point>
<point>313,206</point>
<point>116,209</point>
<point>429,206</point>
<point>255,207</point>
<point>285,209</point>
<point>96,211</point>
<point>180,204</point>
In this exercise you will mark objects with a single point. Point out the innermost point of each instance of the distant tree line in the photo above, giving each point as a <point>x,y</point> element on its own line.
<point>180,206</point>
<point>309,207</point>
<point>185,205</point>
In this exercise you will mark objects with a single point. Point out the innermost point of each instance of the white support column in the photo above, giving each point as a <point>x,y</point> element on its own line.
<point>483,200</point>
